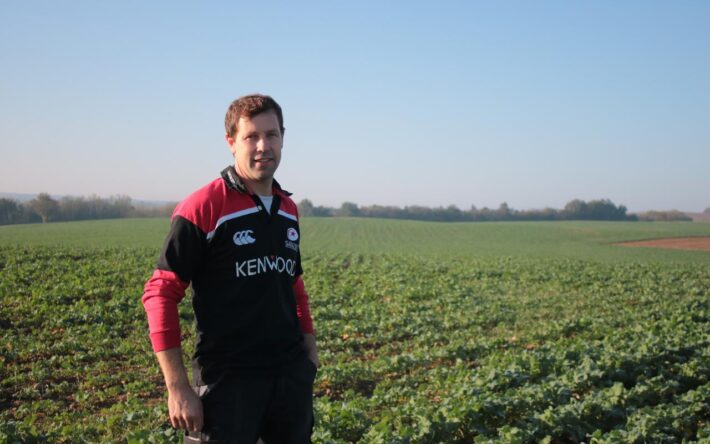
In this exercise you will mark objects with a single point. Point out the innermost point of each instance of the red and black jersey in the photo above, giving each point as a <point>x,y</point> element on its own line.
<point>244,265</point>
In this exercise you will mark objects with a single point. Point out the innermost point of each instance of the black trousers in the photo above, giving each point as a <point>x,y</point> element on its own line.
<point>277,409</point>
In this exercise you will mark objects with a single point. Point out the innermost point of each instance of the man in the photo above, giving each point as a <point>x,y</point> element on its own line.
<point>236,241</point>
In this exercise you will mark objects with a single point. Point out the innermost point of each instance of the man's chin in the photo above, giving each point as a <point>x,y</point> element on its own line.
<point>264,178</point>
<point>265,174</point>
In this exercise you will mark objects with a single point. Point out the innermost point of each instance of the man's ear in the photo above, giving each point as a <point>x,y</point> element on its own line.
<point>230,142</point>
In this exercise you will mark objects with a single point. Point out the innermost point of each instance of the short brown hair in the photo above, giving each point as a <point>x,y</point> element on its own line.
<point>249,106</point>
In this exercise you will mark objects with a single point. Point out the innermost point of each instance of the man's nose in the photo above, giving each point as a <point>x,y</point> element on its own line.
<point>261,144</point>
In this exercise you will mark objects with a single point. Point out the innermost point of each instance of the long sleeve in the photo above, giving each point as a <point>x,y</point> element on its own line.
<point>180,256</point>
<point>163,291</point>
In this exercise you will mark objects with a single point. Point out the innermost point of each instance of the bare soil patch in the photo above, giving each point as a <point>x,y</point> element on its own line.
<point>674,243</point>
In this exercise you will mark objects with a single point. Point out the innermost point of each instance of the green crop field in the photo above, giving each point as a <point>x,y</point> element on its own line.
<point>570,240</point>
<point>429,332</point>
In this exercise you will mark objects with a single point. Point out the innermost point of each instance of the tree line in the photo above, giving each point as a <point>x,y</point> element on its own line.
<point>601,209</point>
<point>44,208</point>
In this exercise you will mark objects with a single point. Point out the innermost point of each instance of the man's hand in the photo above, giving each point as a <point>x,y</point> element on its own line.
<point>309,343</point>
<point>184,406</point>
<point>185,409</point>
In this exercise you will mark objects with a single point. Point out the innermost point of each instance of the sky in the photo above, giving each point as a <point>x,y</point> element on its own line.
<point>385,102</point>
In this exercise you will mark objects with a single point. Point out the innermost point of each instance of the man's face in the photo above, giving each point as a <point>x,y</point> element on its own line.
<point>256,147</point>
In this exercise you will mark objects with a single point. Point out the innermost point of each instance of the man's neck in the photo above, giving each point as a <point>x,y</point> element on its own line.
<point>261,188</point>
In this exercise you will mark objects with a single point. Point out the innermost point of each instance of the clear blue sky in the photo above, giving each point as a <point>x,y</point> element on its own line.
<point>385,102</point>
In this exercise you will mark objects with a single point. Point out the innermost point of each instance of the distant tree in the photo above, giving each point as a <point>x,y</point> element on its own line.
<point>544,214</point>
<point>575,209</point>
<point>11,212</point>
<point>485,213</point>
<point>73,208</point>
<point>605,209</point>
<point>548,213</point>
<point>305,208</point>
<point>665,216</point>
<point>417,212</point>
<point>602,209</point>
<point>323,211</point>
<point>381,211</point>
<point>707,210</point>
<point>451,213</point>
<point>349,209</point>
<point>503,212</point>
<point>46,207</point>
<point>122,206</point>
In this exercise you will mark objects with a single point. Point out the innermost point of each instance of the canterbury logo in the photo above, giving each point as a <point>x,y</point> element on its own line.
<point>243,237</point>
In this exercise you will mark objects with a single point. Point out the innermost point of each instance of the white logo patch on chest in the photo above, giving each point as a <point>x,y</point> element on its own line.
<point>292,234</point>
<point>243,237</point>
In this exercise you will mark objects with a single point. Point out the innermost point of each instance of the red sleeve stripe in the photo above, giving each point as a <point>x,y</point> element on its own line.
<point>288,215</point>
<point>231,216</point>
<point>302,310</point>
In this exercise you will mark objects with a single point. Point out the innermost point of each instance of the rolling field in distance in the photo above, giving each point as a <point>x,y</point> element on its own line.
<point>514,332</point>
<point>583,240</point>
